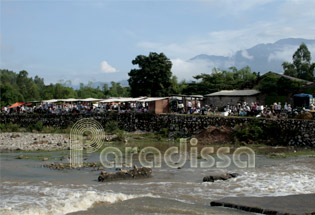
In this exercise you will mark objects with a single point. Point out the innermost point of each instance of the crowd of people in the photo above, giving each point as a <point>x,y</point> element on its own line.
<point>83,108</point>
<point>276,110</point>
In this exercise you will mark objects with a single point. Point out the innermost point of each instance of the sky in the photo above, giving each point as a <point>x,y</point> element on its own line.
<point>96,40</point>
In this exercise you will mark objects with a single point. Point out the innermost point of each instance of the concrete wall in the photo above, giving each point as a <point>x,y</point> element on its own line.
<point>294,132</point>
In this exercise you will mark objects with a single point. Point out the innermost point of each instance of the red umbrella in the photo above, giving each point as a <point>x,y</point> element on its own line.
<point>17,104</point>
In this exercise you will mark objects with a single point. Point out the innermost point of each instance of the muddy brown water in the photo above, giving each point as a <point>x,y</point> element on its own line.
<point>28,188</point>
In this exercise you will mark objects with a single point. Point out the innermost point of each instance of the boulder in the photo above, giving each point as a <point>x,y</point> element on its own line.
<point>223,177</point>
<point>142,172</point>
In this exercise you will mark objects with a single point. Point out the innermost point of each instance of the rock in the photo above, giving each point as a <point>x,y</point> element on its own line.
<point>20,157</point>
<point>103,172</point>
<point>142,172</point>
<point>15,135</point>
<point>223,177</point>
<point>45,159</point>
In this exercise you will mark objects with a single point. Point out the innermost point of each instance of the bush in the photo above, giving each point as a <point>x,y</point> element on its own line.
<point>248,132</point>
<point>111,127</point>
<point>121,136</point>
<point>12,127</point>
<point>38,126</point>
<point>164,132</point>
<point>3,127</point>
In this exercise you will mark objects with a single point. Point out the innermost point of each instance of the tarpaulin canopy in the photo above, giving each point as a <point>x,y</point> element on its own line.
<point>19,104</point>
<point>301,95</point>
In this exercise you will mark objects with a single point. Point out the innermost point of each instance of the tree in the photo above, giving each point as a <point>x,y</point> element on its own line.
<point>271,84</point>
<point>9,95</point>
<point>301,67</point>
<point>153,78</point>
<point>222,80</point>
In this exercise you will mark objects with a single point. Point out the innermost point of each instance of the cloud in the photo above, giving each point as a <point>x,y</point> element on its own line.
<point>286,53</point>
<point>187,69</point>
<point>290,19</point>
<point>246,55</point>
<point>227,42</point>
<point>106,68</point>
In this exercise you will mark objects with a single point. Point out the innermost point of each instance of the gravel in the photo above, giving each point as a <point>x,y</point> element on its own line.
<point>33,141</point>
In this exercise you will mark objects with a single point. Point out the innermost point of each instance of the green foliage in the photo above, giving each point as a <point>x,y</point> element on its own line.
<point>21,88</point>
<point>153,78</point>
<point>247,132</point>
<point>38,126</point>
<point>272,98</point>
<point>111,127</point>
<point>222,80</point>
<point>121,136</point>
<point>164,132</point>
<point>301,67</point>
<point>276,88</point>
<point>9,127</point>
<point>116,90</point>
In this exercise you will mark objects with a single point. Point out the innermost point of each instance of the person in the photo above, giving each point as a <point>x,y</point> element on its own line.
<point>279,106</point>
<point>189,106</point>
<point>285,106</point>
<point>198,105</point>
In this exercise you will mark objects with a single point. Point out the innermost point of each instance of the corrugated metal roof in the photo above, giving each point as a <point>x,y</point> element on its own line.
<point>235,93</point>
<point>291,78</point>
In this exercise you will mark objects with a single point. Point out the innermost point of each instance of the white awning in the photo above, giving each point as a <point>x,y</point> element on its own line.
<point>50,101</point>
<point>90,100</point>
<point>122,99</point>
<point>69,100</point>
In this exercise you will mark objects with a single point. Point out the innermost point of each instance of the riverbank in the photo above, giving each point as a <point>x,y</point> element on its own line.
<point>291,205</point>
<point>41,142</point>
<point>13,141</point>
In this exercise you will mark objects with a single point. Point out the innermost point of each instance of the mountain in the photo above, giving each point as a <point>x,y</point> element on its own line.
<point>261,58</point>
<point>100,84</point>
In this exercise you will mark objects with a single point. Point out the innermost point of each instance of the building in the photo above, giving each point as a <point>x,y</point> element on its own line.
<point>157,105</point>
<point>305,83</point>
<point>232,97</point>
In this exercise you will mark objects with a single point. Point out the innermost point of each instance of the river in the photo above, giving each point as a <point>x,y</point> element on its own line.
<point>28,188</point>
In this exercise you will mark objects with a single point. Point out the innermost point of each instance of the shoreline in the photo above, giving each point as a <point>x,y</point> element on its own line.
<point>33,142</point>
<point>290,204</point>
